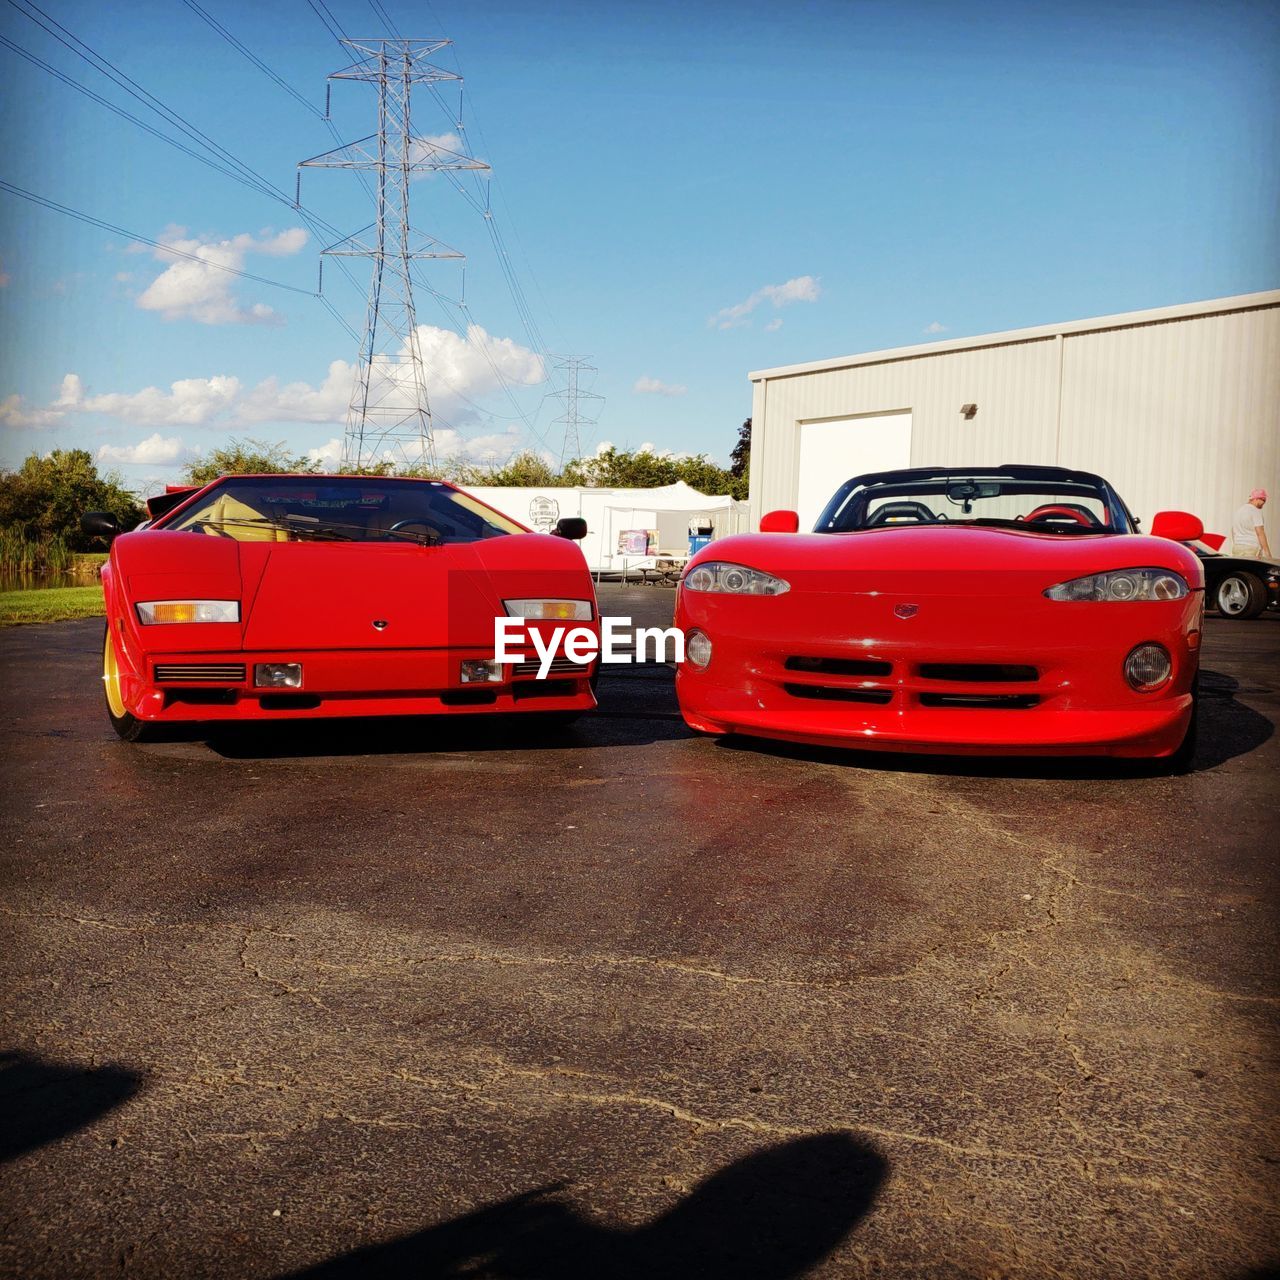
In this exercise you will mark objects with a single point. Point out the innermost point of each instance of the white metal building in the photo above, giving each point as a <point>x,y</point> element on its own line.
<point>1178,407</point>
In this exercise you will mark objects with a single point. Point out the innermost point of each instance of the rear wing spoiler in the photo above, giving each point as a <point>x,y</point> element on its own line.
<point>174,495</point>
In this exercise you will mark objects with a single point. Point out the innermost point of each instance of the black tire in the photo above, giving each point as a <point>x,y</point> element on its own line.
<point>1240,596</point>
<point>126,725</point>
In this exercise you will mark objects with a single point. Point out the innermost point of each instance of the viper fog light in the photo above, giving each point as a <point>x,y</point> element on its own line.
<point>151,612</point>
<point>1148,667</point>
<point>697,649</point>
<point>550,610</point>
<point>277,675</point>
<point>480,671</point>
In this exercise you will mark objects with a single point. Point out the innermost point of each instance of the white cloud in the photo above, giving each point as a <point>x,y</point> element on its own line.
<point>798,289</point>
<point>155,450</point>
<point>189,402</point>
<point>935,327</point>
<point>201,290</point>
<point>459,369</point>
<point>328,455</point>
<point>774,325</point>
<point>14,414</point>
<point>653,387</point>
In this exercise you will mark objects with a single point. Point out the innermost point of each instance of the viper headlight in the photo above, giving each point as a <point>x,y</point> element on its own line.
<point>716,576</point>
<point>549,610</point>
<point>152,612</point>
<point>1123,586</point>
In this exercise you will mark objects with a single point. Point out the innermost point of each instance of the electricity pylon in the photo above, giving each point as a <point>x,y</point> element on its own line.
<point>573,418</point>
<point>389,416</point>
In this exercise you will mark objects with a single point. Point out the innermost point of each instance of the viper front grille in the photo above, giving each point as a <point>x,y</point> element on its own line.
<point>839,666</point>
<point>826,693</point>
<point>979,672</point>
<point>200,672</point>
<point>981,701</point>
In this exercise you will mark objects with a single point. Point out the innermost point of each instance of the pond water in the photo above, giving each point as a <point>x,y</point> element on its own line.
<point>38,581</point>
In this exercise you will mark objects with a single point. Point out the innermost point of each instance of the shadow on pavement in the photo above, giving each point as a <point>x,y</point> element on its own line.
<point>1227,729</point>
<point>770,1216</point>
<point>41,1102</point>
<point>637,707</point>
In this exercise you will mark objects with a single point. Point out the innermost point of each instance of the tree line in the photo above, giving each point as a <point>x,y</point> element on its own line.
<point>41,501</point>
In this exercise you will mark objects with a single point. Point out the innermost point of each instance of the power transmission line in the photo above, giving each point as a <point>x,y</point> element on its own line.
<point>80,216</point>
<point>253,57</point>
<point>243,173</point>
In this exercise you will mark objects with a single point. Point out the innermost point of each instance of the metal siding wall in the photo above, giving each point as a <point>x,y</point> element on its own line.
<point>1180,414</point>
<point>1014,387</point>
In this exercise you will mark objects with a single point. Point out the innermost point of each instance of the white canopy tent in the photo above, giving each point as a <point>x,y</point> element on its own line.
<point>670,509</point>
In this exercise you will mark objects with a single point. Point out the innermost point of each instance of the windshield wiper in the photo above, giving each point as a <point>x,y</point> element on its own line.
<point>255,522</point>
<point>425,539</point>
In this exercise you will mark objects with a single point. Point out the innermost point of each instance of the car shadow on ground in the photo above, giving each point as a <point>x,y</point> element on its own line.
<point>770,1216</point>
<point>41,1101</point>
<point>1228,728</point>
<point>637,707</point>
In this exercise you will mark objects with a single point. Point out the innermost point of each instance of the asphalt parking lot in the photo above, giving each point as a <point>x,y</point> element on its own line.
<point>411,999</point>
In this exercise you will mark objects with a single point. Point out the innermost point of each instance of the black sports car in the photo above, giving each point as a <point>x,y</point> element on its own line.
<point>1236,587</point>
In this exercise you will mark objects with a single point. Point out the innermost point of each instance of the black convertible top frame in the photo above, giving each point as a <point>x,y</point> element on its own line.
<point>1005,471</point>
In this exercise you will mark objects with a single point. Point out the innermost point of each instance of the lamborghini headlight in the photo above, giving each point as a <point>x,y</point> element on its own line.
<point>151,612</point>
<point>1123,586</point>
<point>718,577</point>
<point>550,610</point>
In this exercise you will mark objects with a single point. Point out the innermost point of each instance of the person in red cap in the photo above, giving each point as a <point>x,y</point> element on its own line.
<point>1248,534</point>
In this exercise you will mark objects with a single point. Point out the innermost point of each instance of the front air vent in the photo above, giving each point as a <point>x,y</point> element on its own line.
<point>979,672</point>
<point>839,666</point>
<point>200,672</point>
<point>559,667</point>
<point>826,693</point>
<point>981,701</point>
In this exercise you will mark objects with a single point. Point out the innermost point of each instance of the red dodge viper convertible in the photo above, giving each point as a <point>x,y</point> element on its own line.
<point>294,597</point>
<point>1003,610</point>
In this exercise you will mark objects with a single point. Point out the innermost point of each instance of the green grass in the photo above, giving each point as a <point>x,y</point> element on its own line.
<point>50,604</point>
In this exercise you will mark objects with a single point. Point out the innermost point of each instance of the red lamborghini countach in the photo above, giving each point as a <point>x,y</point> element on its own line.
<point>283,597</point>
<point>1006,610</point>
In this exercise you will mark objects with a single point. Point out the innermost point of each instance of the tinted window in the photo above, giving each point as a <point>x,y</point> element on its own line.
<point>339,509</point>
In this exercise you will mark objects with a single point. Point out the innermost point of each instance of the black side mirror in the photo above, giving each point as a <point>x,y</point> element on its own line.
<point>100,524</point>
<point>573,527</point>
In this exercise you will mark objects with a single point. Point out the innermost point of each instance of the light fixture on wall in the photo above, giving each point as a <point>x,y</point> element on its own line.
<point>968,412</point>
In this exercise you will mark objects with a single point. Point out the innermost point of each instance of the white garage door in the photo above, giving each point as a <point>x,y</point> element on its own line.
<point>831,452</point>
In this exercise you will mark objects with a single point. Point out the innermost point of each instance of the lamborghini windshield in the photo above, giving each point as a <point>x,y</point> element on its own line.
<point>339,509</point>
<point>1045,499</point>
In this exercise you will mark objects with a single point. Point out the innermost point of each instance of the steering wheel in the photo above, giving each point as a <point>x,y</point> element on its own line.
<point>892,512</point>
<point>433,535</point>
<point>1061,511</point>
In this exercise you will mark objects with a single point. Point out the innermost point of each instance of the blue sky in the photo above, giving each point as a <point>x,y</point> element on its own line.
<point>687,192</point>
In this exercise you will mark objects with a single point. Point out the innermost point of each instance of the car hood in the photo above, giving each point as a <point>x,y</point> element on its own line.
<point>949,559</point>
<point>326,595</point>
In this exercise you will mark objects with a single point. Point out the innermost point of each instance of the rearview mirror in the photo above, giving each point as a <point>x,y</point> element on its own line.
<point>572,527</point>
<point>780,522</point>
<point>1179,526</point>
<point>100,524</point>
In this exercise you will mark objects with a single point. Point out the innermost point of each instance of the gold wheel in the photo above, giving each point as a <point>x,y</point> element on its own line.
<point>111,678</point>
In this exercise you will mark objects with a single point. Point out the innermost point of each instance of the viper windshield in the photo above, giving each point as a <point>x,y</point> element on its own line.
<point>339,509</point>
<point>1044,499</point>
